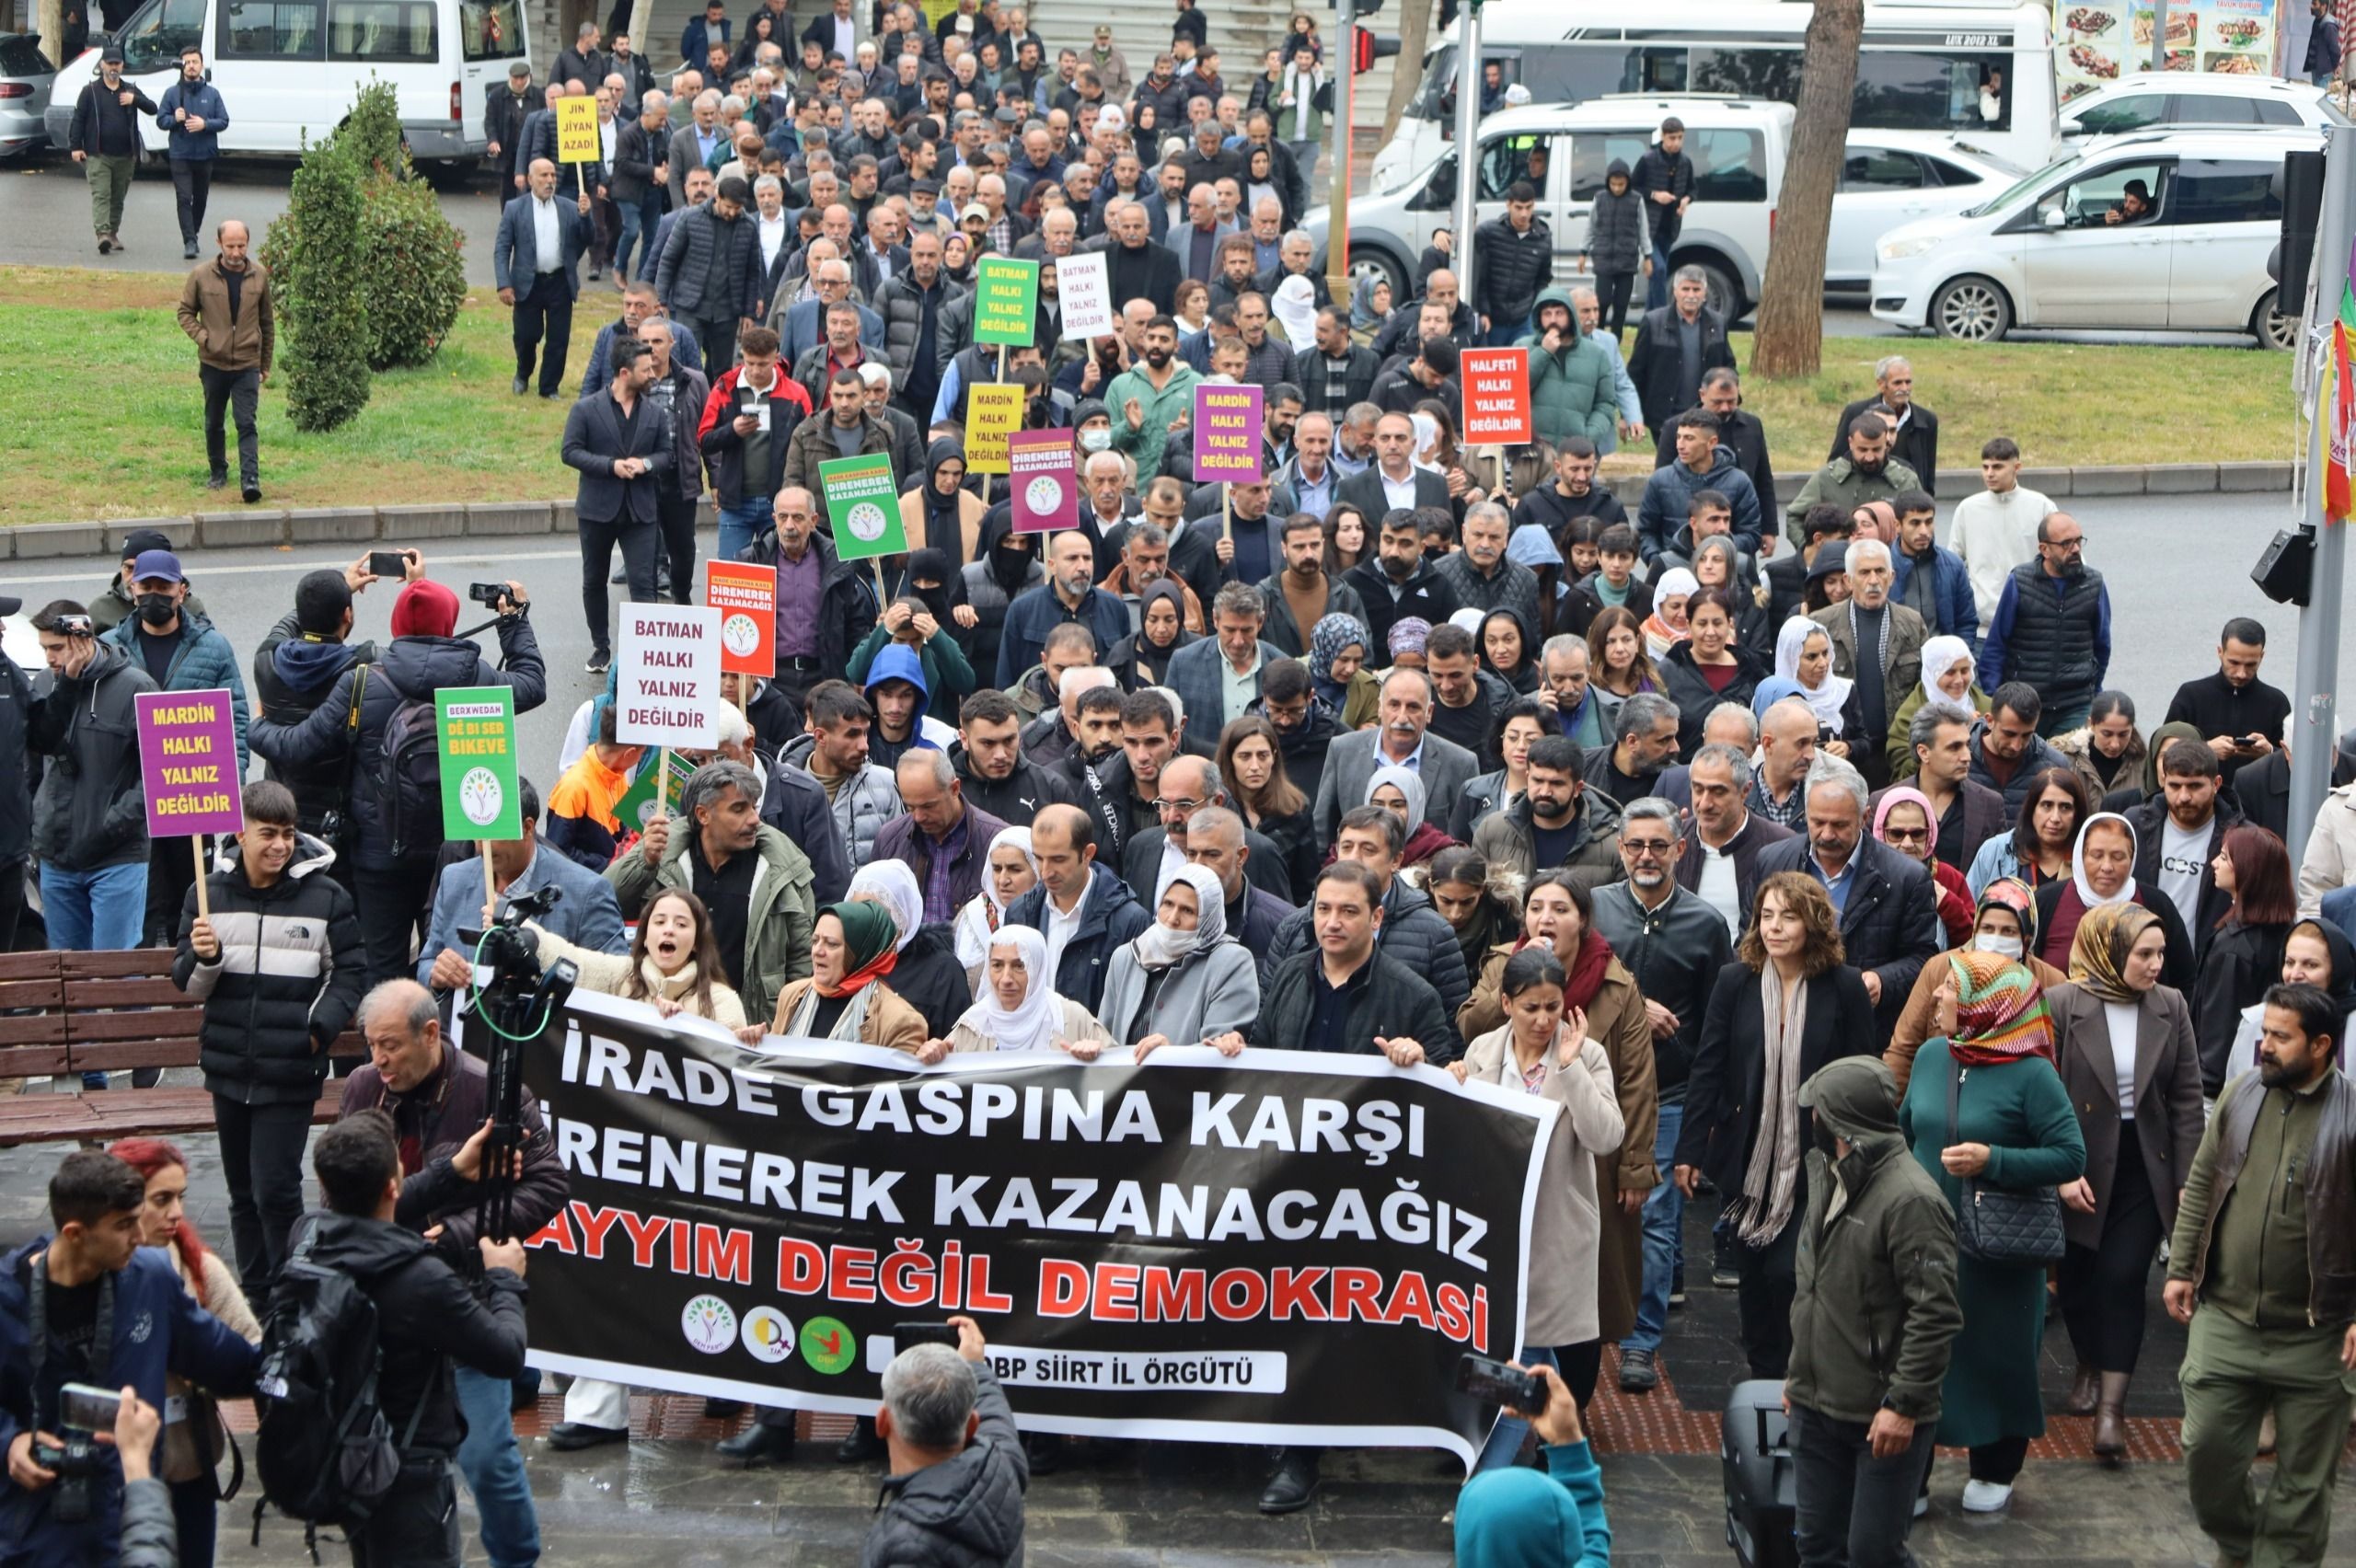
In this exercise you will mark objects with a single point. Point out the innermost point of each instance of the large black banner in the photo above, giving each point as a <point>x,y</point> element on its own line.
<point>1278,1247</point>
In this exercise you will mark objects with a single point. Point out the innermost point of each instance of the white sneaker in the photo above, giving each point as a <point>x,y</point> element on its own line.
<point>1985,1496</point>
<point>1922,1505</point>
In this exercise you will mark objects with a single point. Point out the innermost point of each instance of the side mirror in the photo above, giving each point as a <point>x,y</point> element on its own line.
<point>2055,218</point>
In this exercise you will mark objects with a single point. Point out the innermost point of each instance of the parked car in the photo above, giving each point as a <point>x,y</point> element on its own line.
<point>1891,178</point>
<point>2067,247</point>
<point>2148,102</point>
<point>25,77</point>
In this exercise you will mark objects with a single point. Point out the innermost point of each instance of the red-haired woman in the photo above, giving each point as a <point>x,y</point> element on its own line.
<point>194,1439</point>
<point>2245,953</point>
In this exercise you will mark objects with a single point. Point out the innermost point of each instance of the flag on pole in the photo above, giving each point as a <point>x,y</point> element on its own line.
<point>2336,407</point>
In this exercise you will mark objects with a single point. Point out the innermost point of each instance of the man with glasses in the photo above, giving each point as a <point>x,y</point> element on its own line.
<point>1190,785</point>
<point>1675,944</point>
<point>2051,628</point>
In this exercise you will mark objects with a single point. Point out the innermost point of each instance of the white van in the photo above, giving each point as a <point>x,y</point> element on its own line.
<point>289,69</point>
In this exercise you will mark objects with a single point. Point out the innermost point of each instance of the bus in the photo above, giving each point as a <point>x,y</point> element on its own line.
<point>1980,73</point>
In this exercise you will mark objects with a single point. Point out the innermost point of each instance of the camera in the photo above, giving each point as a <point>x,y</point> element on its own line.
<point>514,1007</point>
<point>1494,1382</point>
<point>77,1460</point>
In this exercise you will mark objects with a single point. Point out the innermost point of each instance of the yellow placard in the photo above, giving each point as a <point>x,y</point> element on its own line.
<point>577,140</point>
<point>992,414</point>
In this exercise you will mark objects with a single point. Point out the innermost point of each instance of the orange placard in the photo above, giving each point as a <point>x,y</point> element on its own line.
<point>744,593</point>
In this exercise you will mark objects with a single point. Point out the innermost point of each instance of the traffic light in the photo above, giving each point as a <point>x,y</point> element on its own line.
<point>1371,49</point>
<point>1357,7</point>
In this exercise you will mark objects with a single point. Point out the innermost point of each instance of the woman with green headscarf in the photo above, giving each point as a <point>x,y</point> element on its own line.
<point>2129,1057</point>
<point>852,947</point>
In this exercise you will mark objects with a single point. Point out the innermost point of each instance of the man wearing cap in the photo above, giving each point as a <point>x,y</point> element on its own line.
<point>181,651</point>
<point>104,138</point>
<point>226,311</point>
<point>540,240</point>
<point>503,116</point>
<point>113,605</point>
<point>706,273</point>
<point>1111,67</point>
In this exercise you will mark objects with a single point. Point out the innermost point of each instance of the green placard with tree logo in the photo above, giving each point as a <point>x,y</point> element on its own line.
<point>1006,301</point>
<point>476,730</point>
<point>864,505</point>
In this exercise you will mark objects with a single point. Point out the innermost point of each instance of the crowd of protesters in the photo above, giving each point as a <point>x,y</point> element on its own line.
<point>1815,872</point>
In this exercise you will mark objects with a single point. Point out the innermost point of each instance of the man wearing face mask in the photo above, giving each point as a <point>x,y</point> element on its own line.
<point>181,651</point>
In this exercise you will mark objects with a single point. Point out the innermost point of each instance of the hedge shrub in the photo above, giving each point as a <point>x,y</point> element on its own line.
<point>315,256</point>
<point>412,277</point>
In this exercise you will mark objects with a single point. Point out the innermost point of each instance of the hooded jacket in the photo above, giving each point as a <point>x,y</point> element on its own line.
<point>351,719</point>
<point>1616,241</point>
<point>1110,916</point>
<point>203,661</point>
<point>898,662</point>
<point>293,675</point>
<point>1518,1518</point>
<point>1506,838</point>
<point>1668,500</point>
<point>723,449</point>
<point>91,811</point>
<point>1573,390</point>
<point>777,929</point>
<point>1875,1313</point>
<point>966,1511</point>
<point>285,982</point>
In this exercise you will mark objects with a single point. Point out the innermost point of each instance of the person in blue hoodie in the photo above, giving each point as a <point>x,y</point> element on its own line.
<point>192,112</point>
<point>1519,1518</point>
<point>114,1315</point>
<point>899,691</point>
<point>1701,464</point>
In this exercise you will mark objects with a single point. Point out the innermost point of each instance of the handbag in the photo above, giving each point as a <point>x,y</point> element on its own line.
<point>2002,1224</point>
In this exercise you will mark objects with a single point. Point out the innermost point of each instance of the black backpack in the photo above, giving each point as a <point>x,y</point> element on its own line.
<point>412,778</point>
<point>323,1452</point>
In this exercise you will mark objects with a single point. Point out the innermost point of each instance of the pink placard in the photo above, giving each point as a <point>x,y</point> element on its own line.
<point>1042,481</point>
<point>1227,431</point>
<point>188,762</point>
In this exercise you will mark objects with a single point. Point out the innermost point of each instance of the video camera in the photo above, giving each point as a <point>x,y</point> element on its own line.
<point>511,1011</point>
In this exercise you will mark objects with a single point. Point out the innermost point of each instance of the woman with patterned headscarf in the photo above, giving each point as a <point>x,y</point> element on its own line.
<point>1339,648</point>
<point>852,946</point>
<point>2004,923</point>
<point>2129,1057</point>
<point>1986,1108</point>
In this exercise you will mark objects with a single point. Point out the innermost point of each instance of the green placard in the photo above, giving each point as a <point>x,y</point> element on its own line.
<point>1006,301</point>
<point>481,797</point>
<point>636,808</point>
<point>864,506</point>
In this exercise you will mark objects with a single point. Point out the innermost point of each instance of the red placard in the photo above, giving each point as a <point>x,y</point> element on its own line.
<point>744,593</point>
<point>1497,395</point>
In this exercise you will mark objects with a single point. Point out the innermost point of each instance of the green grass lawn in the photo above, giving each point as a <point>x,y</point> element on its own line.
<point>118,432</point>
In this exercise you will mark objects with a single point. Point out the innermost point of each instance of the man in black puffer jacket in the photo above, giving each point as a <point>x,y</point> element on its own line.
<point>954,1496</point>
<point>296,666</point>
<point>277,968</point>
<point>1513,258</point>
<point>395,890</point>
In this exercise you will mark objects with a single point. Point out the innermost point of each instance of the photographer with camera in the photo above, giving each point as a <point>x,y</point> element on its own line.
<point>439,1105</point>
<point>377,723</point>
<point>954,1493</point>
<point>443,1337</point>
<point>1521,1515</point>
<point>296,666</point>
<point>585,914</point>
<point>89,1306</point>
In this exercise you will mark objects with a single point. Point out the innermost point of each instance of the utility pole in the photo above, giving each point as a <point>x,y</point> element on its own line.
<point>1468,141</point>
<point>2159,35</point>
<point>1337,238</point>
<point>2314,723</point>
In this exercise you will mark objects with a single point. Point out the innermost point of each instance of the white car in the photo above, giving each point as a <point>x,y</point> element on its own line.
<point>1890,178</point>
<point>2159,231</point>
<point>2182,98</point>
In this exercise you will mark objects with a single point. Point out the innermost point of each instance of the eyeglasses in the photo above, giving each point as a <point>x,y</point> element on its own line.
<point>1905,836</point>
<point>1646,848</point>
<point>1180,808</point>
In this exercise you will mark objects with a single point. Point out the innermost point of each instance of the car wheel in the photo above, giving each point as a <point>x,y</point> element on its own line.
<point>2271,328</point>
<point>1972,309</point>
<point>1366,262</point>
<point>446,174</point>
<point>1723,294</point>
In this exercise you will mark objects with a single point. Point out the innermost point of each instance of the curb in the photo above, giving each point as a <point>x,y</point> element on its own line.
<point>265,525</point>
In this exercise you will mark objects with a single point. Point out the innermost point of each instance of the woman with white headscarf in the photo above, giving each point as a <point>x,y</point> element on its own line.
<point>1019,1009</point>
<point>1008,872</point>
<point>1948,676</point>
<point>1295,308</point>
<point>1804,657</point>
<point>1183,980</point>
<point>1400,791</point>
<point>926,973</point>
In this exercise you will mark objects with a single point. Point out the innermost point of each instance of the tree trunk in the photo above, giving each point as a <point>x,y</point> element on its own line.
<point>1407,67</point>
<point>1790,339</point>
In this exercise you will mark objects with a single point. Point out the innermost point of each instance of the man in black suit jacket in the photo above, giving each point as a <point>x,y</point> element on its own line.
<point>504,112</point>
<point>1889,923</point>
<point>1917,441</point>
<point>623,447</point>
<point>1657,363</point>
<point>1386,484</point>
<point>542,296</point>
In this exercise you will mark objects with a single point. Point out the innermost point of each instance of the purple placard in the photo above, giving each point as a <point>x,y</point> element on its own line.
<point>188,762</point>
<point>1041,481</point>
<point>1227,431</point>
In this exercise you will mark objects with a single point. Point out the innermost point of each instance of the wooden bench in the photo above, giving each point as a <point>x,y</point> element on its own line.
<point>106,1012</point>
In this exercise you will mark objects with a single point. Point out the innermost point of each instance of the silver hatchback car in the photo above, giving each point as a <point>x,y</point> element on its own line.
<point>25,78</point>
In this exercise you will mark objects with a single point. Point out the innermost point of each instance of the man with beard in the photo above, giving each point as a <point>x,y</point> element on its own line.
<point>1479,573</point>
<point>1146,399</point>
<point>1867,473</point>
<point>1646,743</point>
<point>1720,865</point>
<point>1216,841</point>
<point>1401,738</point>
<point>1675,944</point>
<point>1301,595</point>
<point>1069,594</point>
<point>1914,440</point>
<point>991,769</point>
<point>1466,698</point>
<point>1878,644</point>
<point>1093,761</point>
<point>1398,584</point>
<point>1572,494</point>
<point>1557,825</point>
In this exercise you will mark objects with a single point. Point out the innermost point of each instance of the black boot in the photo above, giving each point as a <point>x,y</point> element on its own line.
<point>861,1446</point>
<point>1289,1490</point>
<point>1043,1451</point>
<point>760,1443</point>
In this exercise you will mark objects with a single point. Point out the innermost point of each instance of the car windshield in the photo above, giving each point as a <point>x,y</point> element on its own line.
<point>2013,195</point>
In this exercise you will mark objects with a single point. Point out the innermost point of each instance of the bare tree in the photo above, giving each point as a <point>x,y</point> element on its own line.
<point>1407,67</point>
<point>1790,339</point>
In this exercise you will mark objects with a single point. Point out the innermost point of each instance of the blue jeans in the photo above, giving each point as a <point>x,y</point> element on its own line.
<point>494,1472</point>
<point>1505,334</point>
<point>95,911</point>
<point>739,523</point>
<point>1505,1438</point>
<point>1664,1238</point>
<point>2062,721</point>
<point>1656,287</point>
<point>637,218</point>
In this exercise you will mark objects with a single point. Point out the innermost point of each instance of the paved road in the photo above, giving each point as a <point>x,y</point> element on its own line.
<point>2177,568</point>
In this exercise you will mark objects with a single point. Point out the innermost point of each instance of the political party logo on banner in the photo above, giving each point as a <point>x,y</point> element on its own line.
<point>577,141</point>
<point>993,413</point>
<point>1084,287</point>
<point>1227,431</point>
<point>666,690</point>
<point>188,762</point>
<point>1497,395</point>
<point>1006,301</point>
<point>481,796</point>
<point>864,506</point>
<point>744,593</point>
<point>1284,1247</point>
<point>637,808</point>
<point>1044,481</point>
